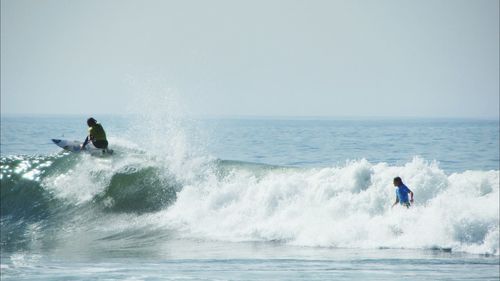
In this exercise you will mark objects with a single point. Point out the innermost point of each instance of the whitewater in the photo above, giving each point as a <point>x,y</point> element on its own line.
<point>250,199</point>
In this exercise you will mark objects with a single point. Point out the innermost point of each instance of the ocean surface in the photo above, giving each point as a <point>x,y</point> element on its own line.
<point>250,199</point>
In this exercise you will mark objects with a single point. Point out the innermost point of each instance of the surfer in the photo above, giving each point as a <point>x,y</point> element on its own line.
<point>402,193</point>
<point>96,135</point>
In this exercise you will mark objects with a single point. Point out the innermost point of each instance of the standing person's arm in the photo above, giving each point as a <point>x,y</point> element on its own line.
<point>411,196</point>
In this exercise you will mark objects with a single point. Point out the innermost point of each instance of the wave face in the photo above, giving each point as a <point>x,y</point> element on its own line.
<point>42,195</point>
<point>135,200</point>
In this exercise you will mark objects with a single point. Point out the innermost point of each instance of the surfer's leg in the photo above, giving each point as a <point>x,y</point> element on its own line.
<point>101,144</point>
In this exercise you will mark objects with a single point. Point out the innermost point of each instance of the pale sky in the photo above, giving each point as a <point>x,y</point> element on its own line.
<point>419,58</point>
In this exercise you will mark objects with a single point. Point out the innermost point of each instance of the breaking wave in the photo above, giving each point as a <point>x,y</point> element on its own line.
<point>47,200</point>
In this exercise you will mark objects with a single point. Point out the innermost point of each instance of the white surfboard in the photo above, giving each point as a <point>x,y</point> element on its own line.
<point>74,146</point>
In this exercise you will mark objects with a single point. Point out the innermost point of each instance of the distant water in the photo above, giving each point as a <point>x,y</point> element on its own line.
<point>250,199</point>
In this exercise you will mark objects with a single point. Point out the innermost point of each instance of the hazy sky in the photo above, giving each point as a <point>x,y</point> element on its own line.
<point>424,58</point>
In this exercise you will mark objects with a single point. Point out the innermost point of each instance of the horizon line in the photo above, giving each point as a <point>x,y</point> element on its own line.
<point>256,117</point>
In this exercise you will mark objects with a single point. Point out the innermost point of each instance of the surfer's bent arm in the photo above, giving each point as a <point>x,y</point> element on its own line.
<point>85,142</point>
<point>411,196</point>
<point>397,201</point>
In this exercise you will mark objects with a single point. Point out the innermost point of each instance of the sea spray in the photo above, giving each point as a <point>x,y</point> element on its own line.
<point>99,197</point>
<point>163,130</point>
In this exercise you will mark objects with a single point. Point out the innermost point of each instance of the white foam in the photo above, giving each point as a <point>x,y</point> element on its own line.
<point>347,206</point>
<point>90,175</point>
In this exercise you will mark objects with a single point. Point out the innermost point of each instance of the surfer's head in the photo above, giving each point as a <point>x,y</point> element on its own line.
<point>91,122</point>
<point>397,181</point>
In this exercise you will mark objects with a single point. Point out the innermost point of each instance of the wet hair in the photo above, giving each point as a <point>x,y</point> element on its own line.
<point>91,121</point>
<point>398,180</point>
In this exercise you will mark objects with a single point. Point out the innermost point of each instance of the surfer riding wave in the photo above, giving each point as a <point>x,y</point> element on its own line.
<point>97,135</point>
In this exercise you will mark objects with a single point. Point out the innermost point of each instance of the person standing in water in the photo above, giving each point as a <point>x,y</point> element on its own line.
<point>402,193</point>
<point>97,135</point>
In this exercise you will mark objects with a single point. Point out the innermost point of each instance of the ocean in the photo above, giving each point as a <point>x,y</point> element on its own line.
<point>250,199</point>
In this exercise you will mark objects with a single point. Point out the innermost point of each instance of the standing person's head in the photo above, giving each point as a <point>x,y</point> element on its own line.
<point>91,122</point>
<point>397,181</point>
